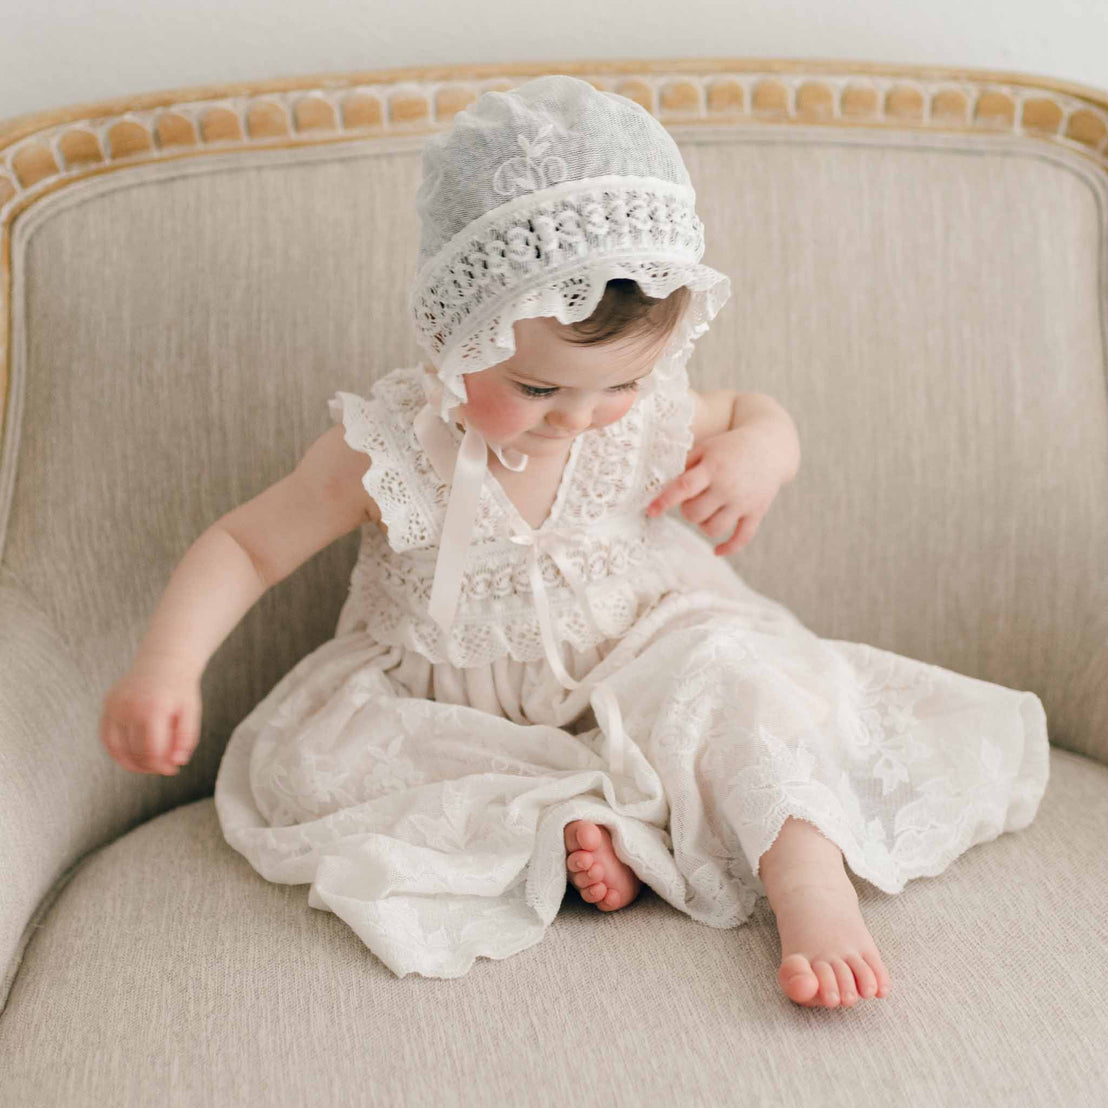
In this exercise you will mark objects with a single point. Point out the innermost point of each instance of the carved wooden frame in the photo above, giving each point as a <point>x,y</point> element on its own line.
<point>46,151</point>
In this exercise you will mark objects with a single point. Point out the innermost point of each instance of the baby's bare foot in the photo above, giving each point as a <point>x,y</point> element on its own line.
<point>594,868</point>
<point>827,953</point>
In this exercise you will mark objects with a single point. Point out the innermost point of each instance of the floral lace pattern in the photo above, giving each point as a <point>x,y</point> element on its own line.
<point>426,804</point>
<point>619,553</point>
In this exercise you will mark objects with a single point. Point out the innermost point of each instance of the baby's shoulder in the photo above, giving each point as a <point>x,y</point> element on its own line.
<point>340,472</point>
<point>348,468</point>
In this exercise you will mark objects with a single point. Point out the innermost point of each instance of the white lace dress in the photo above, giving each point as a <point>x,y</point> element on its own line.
<point>422,786</point>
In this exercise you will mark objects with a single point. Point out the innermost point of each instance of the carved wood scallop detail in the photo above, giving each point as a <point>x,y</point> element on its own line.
<point>79,147</point>
<point>314,113</point>
<point>33,162</point>
<point>174,129</point>
<point>362,111</point>
<point>725,96</point>
<point>409,107</point>
<point>1088,127</point>
<point>770,97</point>
<point>679,98</point>
<point>267,119</point>
<point>41,152</point>
<point>859,101</point>
<point>1041,114</point>
<point>904,103</point>
<point>950,106</point>
<point>995,109</point>
<point>128,138</point>
<point>815,100</point>
<point>222,125</point>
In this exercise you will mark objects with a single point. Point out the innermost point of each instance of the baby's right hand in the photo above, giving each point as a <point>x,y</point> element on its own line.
<point>151,719</point>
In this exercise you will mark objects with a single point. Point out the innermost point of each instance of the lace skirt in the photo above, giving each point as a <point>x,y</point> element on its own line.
<point>426,804</point>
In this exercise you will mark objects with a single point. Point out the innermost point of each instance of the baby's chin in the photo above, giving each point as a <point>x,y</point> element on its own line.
<point>542,446</point>
<point>534,445</point>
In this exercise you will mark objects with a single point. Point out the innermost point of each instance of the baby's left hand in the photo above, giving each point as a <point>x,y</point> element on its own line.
<point>729,482</point>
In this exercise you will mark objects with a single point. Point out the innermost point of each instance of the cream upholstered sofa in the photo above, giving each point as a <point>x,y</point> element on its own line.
<point>918,262</point>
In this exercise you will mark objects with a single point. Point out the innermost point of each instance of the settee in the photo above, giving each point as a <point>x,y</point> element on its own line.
<point>919,266</point>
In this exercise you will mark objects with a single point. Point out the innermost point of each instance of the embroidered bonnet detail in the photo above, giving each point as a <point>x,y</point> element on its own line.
<point>532,171</point>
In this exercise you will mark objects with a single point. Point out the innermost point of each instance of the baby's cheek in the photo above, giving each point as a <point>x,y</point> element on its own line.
<point>505,419</point>
<point>496,413</point>
<point>615,410</point>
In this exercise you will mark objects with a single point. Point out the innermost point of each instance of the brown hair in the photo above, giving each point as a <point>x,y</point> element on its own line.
<point>625,308</point>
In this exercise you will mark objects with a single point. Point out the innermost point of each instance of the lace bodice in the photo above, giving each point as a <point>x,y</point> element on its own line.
<point>598,552</point>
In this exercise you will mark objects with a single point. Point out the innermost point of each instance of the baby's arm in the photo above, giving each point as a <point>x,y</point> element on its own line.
<point>151,716</point>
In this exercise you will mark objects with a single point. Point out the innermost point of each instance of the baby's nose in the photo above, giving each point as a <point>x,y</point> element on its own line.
<point>576,419</point>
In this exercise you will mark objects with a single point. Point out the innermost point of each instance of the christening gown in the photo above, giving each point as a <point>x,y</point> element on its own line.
<point>604,666</point>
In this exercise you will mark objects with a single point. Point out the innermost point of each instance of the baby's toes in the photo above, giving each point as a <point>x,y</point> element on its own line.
<point>882,975</point>
<point>579,860</point>
<point>594,892</point>
<point>797,979</point>
<point>588,877</point>
<point>848,994</point>
<point>864,976</point>
<point>828,986</point>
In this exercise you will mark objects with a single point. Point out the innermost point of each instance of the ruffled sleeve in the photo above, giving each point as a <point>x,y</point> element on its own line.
<point>370,428</point>
<point>667,431</point>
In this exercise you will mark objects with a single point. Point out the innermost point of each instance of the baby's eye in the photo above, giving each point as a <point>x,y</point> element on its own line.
<point>530,390</point>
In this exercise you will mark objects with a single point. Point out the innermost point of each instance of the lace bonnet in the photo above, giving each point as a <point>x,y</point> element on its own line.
<point>530,203</point>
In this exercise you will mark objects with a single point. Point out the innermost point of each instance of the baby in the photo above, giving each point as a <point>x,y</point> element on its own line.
<point>539,675</point>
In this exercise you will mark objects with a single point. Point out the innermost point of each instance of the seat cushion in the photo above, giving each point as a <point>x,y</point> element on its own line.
<point>168,966</point>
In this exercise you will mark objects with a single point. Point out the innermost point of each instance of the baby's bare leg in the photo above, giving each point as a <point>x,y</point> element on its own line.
<point>827,952</point>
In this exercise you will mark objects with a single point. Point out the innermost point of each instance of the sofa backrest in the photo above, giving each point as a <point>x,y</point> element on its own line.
<point>924,292</point>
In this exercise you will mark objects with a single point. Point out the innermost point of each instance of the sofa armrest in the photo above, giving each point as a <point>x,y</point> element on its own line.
<point>61,795</point>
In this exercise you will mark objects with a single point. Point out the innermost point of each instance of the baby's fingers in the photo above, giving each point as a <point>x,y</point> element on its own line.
<point>692,482</point>
<point>186,733</point>
<point>114,738</point>
<point>743,534</point>
<point>148,740</point>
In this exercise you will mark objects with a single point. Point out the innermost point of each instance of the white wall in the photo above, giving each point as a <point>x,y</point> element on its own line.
<point>54,53</point>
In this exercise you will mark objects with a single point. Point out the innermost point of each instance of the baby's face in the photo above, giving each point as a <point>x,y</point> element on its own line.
<point>550,390</point>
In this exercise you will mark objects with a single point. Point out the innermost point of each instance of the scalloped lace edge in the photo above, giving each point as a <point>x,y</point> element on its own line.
<point>358,434</point>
